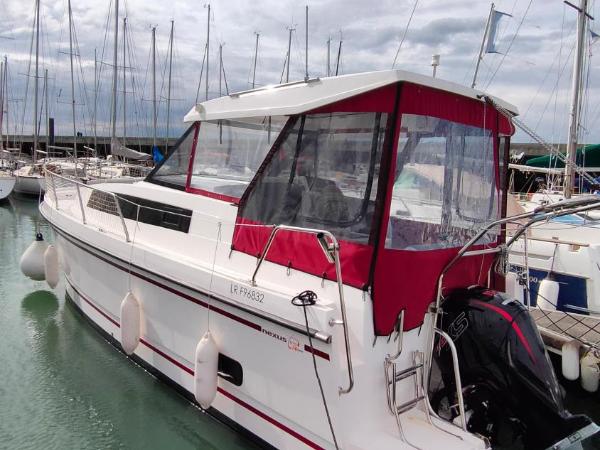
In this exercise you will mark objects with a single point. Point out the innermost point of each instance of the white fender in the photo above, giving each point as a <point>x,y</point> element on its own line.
<point>205,370</point>
<point>548,294</point>
<point>32,261</point>
<point>51,266</point>
<point>590,372</point>
<point>570,360</point>
<point>513,288</point>
<point>131,318</point>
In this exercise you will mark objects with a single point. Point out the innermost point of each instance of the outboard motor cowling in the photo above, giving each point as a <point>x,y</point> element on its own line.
<point>510,391</point>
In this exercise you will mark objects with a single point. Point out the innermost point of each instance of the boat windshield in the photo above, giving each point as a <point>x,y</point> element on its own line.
<point>225,153</point>
<point>445,184</point>
<point>172,172</point>
<point>229,152</point>
<point>323,174</point>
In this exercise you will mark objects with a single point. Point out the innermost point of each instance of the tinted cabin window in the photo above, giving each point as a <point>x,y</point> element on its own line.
<point>444,186</point>
<point>172,172</point>
<point>229,152</point>
<point>323,175</point>
<point>150,212</point>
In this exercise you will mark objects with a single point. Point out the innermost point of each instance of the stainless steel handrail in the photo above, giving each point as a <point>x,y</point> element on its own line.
<point>80,204</point>
<point>77,184</point>
<point>457,381</point>
<point>331,251</point>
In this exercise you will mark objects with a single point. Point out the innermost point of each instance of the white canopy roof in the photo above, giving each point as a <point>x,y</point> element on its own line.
<point>299,97</point>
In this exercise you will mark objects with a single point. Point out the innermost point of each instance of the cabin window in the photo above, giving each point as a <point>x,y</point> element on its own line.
<point>142,210</point>
<point>323,174</point>
<point>445,184</point>
<point>229,152</point>
<point>172,172</point>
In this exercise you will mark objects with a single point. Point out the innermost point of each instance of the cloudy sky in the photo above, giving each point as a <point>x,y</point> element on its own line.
<point>534,73</point>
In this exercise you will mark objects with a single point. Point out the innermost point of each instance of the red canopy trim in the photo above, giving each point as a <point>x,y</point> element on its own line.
<point>407,279</point>
<point>301,251</point>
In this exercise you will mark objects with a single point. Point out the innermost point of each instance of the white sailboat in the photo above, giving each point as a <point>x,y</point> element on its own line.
<point>564,253</point>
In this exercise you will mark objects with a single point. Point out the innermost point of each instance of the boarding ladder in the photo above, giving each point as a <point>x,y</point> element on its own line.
<point>418,372</point>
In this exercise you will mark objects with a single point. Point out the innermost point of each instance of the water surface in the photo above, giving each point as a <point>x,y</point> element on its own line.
<point>62,386</point>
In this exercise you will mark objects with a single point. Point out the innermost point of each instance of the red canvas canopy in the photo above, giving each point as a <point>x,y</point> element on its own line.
<point>399,257</point>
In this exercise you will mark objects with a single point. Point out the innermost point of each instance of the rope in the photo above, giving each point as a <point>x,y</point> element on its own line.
<point>405,31</point>
<point>304,299</point>
<point>212,274</point>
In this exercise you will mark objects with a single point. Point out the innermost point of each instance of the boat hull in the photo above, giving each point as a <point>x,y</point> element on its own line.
<point>30,185</point>
<point>279,400</point>
<point>7,185</point>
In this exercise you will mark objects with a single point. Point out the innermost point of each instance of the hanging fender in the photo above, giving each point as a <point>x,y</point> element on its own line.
<point>51,266</point>
<point>32,261</point>
<point>131,321</point>
<point>205,370</point>
<point>548,294</point>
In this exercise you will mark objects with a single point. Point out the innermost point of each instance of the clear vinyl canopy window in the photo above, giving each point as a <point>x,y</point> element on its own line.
<point>324,174</point>
<point>173,171</point>
<point>229,152</point>
<point>445,184</point>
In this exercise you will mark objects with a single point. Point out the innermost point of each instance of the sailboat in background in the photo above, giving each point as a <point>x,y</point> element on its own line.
<point>555,266</point>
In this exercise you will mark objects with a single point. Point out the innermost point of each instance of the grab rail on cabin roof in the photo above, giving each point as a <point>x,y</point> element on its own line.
<point>331,250</point>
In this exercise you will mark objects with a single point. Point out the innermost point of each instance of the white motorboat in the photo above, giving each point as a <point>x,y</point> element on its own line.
<point>288,266</point>
<point>7,184</point>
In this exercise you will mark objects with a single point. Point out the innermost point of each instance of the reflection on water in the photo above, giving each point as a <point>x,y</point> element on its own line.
<point>63,385</point>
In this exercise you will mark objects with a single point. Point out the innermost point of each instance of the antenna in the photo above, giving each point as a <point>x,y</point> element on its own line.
<point>339,55</point>
<point>287,74</point>
<point>306,49</point>
<point>435,62</point>
<point>255,59</point>
<point>329,56</point>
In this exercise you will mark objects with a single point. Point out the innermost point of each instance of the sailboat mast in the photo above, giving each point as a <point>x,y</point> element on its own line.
<point>480,56</point>
<point>2,92</point>
<point>46,108</point>
<point>575,101</point>
<point>329,56</point>
<point>169,83</point>
<point>255,60</point>
<point>153,87</point>
<point>6,98</point>
<point>207,47</point>
<point>35,81</point>
<point>95,100</point>
<point>113,134</point>
<point>124,79</point>
<point>72,81</point>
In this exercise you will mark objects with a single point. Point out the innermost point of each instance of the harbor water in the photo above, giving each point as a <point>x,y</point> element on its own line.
<point>62,386</point>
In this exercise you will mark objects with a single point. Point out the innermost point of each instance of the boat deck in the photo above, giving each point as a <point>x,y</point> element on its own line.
<point>558,327</point>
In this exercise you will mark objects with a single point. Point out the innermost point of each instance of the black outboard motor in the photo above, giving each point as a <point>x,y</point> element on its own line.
<point>510,391</point>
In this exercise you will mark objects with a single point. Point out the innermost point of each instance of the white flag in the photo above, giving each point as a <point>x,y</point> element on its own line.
<point>493,30</point>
